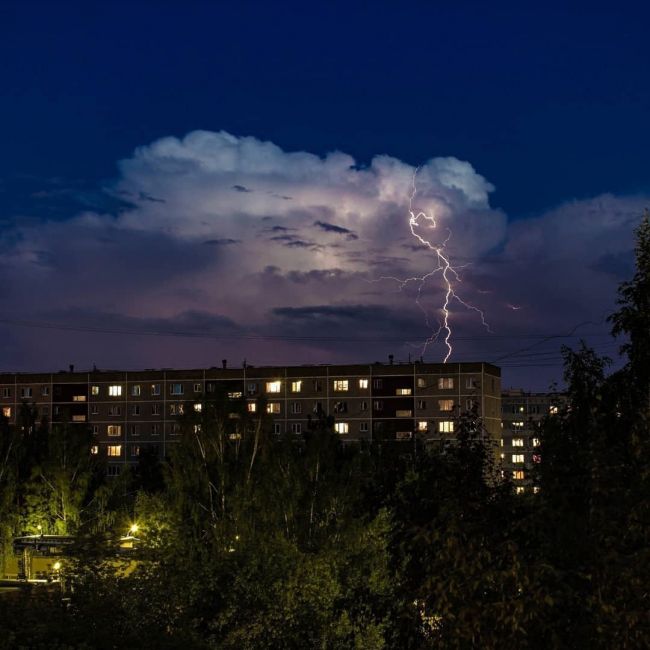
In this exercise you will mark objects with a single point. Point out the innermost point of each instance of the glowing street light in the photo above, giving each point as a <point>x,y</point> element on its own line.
<point>134,529</point>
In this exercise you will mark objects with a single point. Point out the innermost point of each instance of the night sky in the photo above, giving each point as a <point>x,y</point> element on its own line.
<point>182,182</point>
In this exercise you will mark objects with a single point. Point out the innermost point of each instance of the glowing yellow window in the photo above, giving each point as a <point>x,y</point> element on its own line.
<point>423,425</point>
<point>341,385</point>
<point>403,391</point>
<point>273,386</point>
<point>446,404</point>
<point>363,383</point>
<point>252,407</point>
<point>446,426</point>
<point>341,427</point>
<point>296,386</point>
<point>273,407</point>
<point>114,450</point>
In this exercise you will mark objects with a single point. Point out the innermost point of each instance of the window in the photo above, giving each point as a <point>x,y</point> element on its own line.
<point>296,408</point>
<point>94,450</point>
<point>517,425</point>
<point>340,407</point>
<point>175,428</point>
<point>446,404</point>
<point>364,406</point>
<point>377,383</point>
<point>404,413</point>
<point>45,411</point>
<point>535,442</point>
<point>252,389</point>
<point>501,442</point>
<point>134,429</point>
<point>95,429</point>
<point>446,426</point>
<point>113,470</point>
<point>378,405</point>
<point>114,450</point>
<point>115,390</point>
<point>198,388</point>
<point>26,392</point>
<point>517,458</point>
<point>94,390</point>
<point>517,442</point>
<point>318,385</point>
<point>114,430</point>
<point>115,410</point>
<point>135,450</point>
<point>197,428</point>
<point>403,435</point>
<point>136,390</point>
<point>445,383</point>
<point>520,489</point>
<point>537,458</point>
<point>252,407</point>
<point>403,391</point>
<point>273,386</point>
<point>296,427</point>
<point>471,404</point>
<point>135,410</point>
<point>78,398</point>
<point>57,410</point>
<point>518,475</point>
<point>235,394</point>
<point>198,407</point>
<point>552,410</point>
<point>363,383</point>
<point>273,407</point>
<point>176,409</point>
<point>536,489</point>
<point>470,383</point>
<point>340,385</point>
<point>45,391</point>
<point>277,428</point>
<point>78,418</point>
<point>155,409</point>
<point>502,456</point>
<point>296,387</point>
<point>6,411</point>
<point>423,425</point>
<point>155,429</point>
<point>341,427</point>
<point>363,427</point>
<point>176,389</point>
<point>155,389</point>
<point>422,404</point>
<point>318,407</point>
<point>6,392</point>
<point>422,382</point>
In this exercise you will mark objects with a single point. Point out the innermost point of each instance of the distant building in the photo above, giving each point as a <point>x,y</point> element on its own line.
<point>521,414</point>
<point>129,411</point>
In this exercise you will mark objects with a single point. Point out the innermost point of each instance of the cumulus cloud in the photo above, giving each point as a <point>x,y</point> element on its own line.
<point>275,241</point>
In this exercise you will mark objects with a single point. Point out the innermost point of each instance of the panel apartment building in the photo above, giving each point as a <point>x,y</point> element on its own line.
<point>128,411</point>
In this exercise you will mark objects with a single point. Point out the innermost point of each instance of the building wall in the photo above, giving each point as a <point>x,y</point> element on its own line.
<point>128,411</point>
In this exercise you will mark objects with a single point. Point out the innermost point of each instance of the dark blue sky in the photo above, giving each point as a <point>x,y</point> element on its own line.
<point>548,101</point>
<point>217,233</point>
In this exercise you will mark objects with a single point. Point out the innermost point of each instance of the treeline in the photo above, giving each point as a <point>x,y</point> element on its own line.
<point>251,540</point>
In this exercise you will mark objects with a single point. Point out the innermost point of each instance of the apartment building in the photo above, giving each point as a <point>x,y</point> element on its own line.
<point>128,411</point>
<point>521,413</point>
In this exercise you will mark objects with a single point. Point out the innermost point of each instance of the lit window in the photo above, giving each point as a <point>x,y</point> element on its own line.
<point>114,430</point>
<point>503,456</point>
<point>445,383</point>
<point>94,390</point>
<point>518,475</point>
<point>198,407</point>
<point>535,489</point>
<point>115,391</point>
<point>176,389</point>
<point>176,409</point>
<point>446,426</point>
<point>6,411</point>
<point>552,410</point>
<point>537,458</point>
<point>517,442</point>
<point>341,427</point>
<point>296,408</point>
<point>236,394</point>
<point>273,386</point>
<point>296,387</point>
<point>296,427</point>
<point>252,407</point>
<point>155,389</point>
<point>517,458</point>
<point>94,450</point>
<point>340,385</point>
<point>423,425</point>
<point>363,427</point>
<point>197,428</point>
<point>363,383</point>
<point>404,413</point>
<point>198,388</point>
<point>519,489</point>
<point>535,442</point>
<point>422,382</point>
<point>136,390</point>
<point>517,425</point>
<point>403,391</point>
<point>446,404</point>
<point>78,418</point>
<point>273,407</point>
<point>114,450</point>
<point>501,442</point>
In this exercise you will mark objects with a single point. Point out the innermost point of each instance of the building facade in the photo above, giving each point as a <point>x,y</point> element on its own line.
<point>521,415</point>
<point>128,411</point>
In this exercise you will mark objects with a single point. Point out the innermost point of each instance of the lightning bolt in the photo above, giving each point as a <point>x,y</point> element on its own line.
<point>418,221</point>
